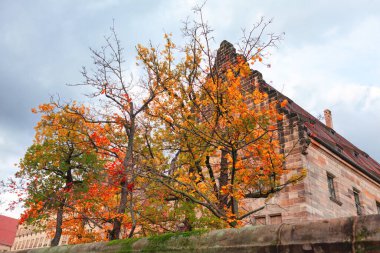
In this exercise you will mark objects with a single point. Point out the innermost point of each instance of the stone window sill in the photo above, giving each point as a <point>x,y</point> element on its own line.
<point>336,201</point>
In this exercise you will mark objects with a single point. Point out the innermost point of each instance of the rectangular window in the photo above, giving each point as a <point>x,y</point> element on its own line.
<point>260,220</point>
<point>31,243</point>
<point>330,181</point>
<point>378,207</point>
<point>357,202</point>
<point>339,148</point>
<point>46,242</point>
<point>35,243</point>
<point>15,246</point>
<point>275,219</point>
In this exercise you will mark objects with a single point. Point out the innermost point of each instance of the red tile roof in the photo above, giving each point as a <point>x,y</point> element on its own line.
<point>8,228</point>
<point>336,143</point>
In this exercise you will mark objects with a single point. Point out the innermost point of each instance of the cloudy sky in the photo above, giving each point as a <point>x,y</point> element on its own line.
<point>330,57</point>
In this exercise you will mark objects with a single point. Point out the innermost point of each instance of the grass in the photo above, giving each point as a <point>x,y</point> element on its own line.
<point>156,242</point>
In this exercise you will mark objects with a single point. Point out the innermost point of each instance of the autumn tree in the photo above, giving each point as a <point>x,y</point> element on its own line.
<point>216,124</point>
<point>58,168</point>
<point>194,137</point>
<point>120,102</point>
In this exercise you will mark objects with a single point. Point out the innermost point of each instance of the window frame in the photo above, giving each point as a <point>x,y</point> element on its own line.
<point>331,184</point>
<point>275,215</point>
<point>261,217</point>
<point>359,209</point>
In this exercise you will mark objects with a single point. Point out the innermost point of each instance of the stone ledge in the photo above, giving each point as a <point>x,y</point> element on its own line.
<point>342,235</point>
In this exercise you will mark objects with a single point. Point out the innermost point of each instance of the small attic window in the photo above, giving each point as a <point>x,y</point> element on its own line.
<point>356,154</point>
<point>332,131</point>
<point>339,148</point>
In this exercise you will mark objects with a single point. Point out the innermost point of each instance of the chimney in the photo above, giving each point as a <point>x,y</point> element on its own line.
<point>328,118</point>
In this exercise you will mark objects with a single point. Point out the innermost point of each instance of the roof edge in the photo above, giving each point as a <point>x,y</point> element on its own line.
<point>361,169</point>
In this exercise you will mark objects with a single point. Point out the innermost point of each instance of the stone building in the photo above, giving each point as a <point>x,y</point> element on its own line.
<point>28,237</point>
<point>341,180</point>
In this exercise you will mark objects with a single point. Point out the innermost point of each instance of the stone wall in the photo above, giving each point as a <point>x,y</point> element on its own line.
<point>319,162</point>
<point>290,203</point>
<point>310,199</point>
<point>357,234</point>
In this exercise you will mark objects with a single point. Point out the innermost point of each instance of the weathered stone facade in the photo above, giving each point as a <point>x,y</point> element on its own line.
<point>320,162</point>
<point>310,144</point>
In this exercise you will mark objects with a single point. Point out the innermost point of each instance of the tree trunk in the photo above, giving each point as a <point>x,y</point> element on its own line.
<point>223,180</point>
<point>128,165</point>
<point>114,234</point>
<point>58,226</point>
<point>59,220</point>
<point>131,232</point>
<point>234,206</point>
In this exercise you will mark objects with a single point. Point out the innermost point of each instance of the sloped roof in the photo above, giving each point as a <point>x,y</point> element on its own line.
<point>8,228</point>
<point>336,143</point>
<point>314,128</point>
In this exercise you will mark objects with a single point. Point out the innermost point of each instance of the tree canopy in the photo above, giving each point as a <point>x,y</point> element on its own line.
<point>183,147</point>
